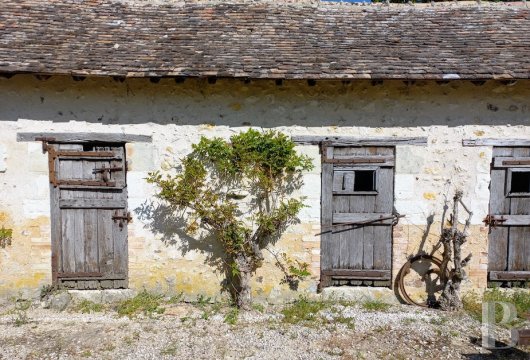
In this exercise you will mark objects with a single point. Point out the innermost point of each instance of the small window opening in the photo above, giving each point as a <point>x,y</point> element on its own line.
<point>520,182</point>
<point>364,180</point>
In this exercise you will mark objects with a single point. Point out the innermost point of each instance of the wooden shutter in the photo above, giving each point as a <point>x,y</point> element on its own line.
<point>357,205</point>
<point>509,215</point>
<point>89,215</point>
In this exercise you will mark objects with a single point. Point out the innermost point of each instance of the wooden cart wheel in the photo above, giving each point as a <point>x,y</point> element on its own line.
<point>420,280</point>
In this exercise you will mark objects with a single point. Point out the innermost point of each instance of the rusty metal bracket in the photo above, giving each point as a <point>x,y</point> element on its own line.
<point>492,221</point>
<point>52,156</point>
<point>324,150</point>
<point>87,154</point>
<point>45,140</point>
<point>121,218</point>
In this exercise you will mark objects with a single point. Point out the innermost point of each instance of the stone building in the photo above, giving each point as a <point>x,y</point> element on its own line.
<point>397,105</point>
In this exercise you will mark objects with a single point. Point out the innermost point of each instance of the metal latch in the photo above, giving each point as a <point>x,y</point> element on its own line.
<point>493,221</point>
<point>121,218</point>
<point>105,172</point>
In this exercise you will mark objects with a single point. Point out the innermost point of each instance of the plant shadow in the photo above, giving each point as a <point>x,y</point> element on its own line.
<point>420,265</point>
<point>170,225</point>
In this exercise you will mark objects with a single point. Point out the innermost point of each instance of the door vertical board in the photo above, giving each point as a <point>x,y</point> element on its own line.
<point>91,240</point>
<point>90,225</point>
<point>79,232</point>
<point>106,242</point>
<point>326,216</point>
<point>382,247</point>
<point>507,244</point>
<point>68,245</point>
<point>385,204</point>
<point>516,251</point>
<point>79,242</point>
<point>527,253</point>
<point>384,201</point>
<point>498,249</point>
<point>355,236</point>
<point>518,235</point>
<point>368,240</point>
<point>121,256</point>
<point>340,253</point>
<point>55,219</point>
<point>368,247</point>
<point>499,204</point>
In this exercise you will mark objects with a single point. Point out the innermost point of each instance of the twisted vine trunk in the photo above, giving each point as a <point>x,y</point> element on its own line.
<point>453,239</point>
<point>244,298</point>
<point>246,265</point>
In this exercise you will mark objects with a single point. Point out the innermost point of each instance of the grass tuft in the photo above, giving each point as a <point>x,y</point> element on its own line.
<point>259,308</point>
<point>375,305</point>
<point>87,307</point>
<point>176,299</point>
<point>169,351</point>
<point>519,298</point>
<point>302,310</point>
<point>232,316</point>
<point>145,302</point>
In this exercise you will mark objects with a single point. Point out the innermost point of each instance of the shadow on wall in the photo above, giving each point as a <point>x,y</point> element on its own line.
<point>236,103</point>
<point>170,224</point>
<point>417,279</point>
<point>170,227</point>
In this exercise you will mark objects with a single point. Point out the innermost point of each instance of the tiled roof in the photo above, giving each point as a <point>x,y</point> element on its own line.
<point>101,37</point>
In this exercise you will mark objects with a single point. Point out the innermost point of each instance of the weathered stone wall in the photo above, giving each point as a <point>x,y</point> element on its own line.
<point>178,114</point>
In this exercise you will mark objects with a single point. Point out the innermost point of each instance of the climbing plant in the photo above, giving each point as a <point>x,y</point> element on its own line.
<point>238,192</point>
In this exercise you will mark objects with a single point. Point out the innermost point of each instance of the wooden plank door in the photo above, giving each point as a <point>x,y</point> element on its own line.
<point>509,216</point>
<point>357,206</point>
<point>89,215</point>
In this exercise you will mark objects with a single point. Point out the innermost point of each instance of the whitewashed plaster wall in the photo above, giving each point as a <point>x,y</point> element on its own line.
<point>178,114</point>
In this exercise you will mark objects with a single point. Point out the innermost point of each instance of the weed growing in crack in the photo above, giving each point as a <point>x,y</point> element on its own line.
<point>20,311</point>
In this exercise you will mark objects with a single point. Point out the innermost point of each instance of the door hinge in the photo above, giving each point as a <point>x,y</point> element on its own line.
<point>121,218</point>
